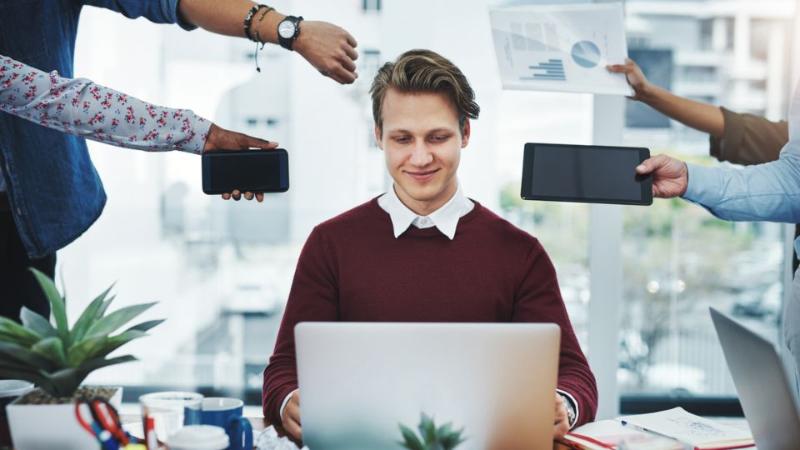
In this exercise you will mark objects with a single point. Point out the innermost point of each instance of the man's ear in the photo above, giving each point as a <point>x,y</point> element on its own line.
<point>465,134</point>
<point>378,136</point>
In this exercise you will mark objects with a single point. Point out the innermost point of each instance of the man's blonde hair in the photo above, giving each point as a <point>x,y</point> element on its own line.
<point>424,71</point>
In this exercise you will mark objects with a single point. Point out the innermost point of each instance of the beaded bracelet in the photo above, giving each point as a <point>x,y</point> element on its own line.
<point>248,20</point>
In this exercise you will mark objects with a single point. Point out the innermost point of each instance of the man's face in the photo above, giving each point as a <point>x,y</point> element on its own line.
<point>422,142</point>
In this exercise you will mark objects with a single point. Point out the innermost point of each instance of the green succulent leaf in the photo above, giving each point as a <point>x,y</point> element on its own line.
<point>85,350</point>
<point>410,440</point>
<point>56,304</point>
<point>116,319</point>
<point>52,349</point>
<point>19,354</point>
<point>66,381</point>
<point>11,331</point>
<point>37,323</point>
<point>433,438</point>
<point>90,315</point>
<point>427,429</point>
<point>21,374</point>
<point>145,326</point>
<point>99,363</point>
<point>100,346</point>
<point>451,439</point>
<point>58,359</point>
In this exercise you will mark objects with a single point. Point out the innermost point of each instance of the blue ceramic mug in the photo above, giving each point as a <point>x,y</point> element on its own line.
<point>227,413</point>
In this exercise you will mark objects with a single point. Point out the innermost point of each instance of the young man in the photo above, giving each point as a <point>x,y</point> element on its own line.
<point>423,252</point>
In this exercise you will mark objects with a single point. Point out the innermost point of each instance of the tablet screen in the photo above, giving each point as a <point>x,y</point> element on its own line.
<point>585,173</point>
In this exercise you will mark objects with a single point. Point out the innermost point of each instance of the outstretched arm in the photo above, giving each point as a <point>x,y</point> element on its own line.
<point>694,114</point>
<point>327,47</point>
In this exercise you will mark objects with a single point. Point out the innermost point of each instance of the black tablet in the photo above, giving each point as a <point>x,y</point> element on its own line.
<point>585,173</point>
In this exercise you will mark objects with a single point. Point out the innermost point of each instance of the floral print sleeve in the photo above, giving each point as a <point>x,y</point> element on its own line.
<point>81,107</point>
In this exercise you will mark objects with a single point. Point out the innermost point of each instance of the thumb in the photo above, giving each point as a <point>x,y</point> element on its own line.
<point>652,164</point>
<point>646,166</point>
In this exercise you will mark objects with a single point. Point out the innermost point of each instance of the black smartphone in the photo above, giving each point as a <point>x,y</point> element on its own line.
<point>245,170</point>
<point>585,173</point>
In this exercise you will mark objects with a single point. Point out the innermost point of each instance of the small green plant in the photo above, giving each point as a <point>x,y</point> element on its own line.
<point>57,358</point>
<point>431,437</point>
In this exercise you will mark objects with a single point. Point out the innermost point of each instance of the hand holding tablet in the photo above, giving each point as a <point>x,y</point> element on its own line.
<point>585,173</point>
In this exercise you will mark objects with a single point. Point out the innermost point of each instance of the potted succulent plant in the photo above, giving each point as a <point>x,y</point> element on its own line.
<point>57,357</point>
<point>431,437</point>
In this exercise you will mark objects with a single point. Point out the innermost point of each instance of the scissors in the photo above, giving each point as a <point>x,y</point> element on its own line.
<point>104,424</point>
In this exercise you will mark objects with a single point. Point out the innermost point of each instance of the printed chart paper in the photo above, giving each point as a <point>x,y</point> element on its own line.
<point>561,47</point>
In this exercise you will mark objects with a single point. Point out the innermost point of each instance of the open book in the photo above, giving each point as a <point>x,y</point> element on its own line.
<point>700,433</point>
<point>612,435</point>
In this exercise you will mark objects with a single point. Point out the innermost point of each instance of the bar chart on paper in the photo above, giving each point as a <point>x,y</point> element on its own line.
<point>552,69</point>
<point>560,47</point>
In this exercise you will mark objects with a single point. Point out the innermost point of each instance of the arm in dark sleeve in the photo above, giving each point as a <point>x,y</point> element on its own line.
<point>539,300</point>
<point>313,297</point>
<point>749,139</point>
<point>156,11</point>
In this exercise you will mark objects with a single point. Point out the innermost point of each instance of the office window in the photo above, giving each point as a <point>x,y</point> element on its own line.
<point>371,5</point>
<point>678,259</point>
<point>221,271</point>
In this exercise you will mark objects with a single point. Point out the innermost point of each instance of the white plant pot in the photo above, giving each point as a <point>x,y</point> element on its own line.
<point>49,427</point>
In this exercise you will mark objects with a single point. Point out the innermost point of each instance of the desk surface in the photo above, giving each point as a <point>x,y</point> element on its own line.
<point>133,424</point>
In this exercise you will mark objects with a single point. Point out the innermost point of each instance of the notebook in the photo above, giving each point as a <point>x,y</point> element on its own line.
<point>612,435</point>
<point>696,431</point>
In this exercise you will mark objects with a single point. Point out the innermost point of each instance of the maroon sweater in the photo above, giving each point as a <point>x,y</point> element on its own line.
<point>352,268</point>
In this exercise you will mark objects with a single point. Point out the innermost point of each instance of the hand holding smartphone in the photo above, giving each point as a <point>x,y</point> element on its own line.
<point>257,171</point>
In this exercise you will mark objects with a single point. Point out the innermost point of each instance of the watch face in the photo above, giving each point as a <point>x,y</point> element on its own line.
<point>286,29</point>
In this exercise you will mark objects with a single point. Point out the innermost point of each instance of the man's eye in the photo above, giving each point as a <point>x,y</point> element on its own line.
<point>439,138</point>
<point>402,139</point>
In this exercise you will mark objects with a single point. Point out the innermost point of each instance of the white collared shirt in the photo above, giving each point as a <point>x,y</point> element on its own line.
<point>445,219</point>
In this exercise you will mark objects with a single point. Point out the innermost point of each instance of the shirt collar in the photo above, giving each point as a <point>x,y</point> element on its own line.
<point>445,219</point>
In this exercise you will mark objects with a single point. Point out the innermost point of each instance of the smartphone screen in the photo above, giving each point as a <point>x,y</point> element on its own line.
<point>245,170</point>
<point>585,173</point>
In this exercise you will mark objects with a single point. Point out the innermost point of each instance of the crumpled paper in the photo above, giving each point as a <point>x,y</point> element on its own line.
<point>269,440</point>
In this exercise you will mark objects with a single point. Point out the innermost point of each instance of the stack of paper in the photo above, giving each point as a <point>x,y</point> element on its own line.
<point>700,433</point>
<point>612,435</point>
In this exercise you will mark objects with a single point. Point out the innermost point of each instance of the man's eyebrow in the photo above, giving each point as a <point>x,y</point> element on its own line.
<point>441,129</point>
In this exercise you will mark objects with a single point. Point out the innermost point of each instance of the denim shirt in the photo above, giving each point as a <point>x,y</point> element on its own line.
<point>52,185</point>
<point>764,192</point>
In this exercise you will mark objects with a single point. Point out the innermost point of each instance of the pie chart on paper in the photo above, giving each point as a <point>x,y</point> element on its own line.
<point>586,54</point>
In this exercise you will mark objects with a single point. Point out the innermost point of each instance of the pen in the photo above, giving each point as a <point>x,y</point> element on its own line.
<point>636,427</point>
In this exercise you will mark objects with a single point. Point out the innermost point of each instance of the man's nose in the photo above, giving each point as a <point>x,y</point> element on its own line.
<point>421,155</point>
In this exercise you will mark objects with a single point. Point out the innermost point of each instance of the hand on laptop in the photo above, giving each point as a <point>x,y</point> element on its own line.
<point>291,417</point>
<point>670,175</point>
<point>561,426</point>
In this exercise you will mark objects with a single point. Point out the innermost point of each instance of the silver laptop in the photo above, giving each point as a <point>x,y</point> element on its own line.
<point>359,381</point>
<point>764,389</point>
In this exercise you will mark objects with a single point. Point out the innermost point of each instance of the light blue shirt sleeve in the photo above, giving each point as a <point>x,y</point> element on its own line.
<point>764,192</point>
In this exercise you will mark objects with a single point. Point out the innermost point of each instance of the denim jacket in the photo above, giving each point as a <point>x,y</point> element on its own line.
<point>53,199</point>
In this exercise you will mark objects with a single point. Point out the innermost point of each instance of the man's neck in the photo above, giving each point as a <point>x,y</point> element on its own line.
<point>426,208</point>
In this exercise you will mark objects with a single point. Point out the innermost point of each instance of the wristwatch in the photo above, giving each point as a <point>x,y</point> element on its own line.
<point>288,30</point>
<point>570,409</point>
